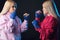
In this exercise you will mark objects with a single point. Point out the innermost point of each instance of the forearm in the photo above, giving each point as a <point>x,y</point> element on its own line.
<point>39,17</point>
<point>24,26</point>
<point>37,21</point>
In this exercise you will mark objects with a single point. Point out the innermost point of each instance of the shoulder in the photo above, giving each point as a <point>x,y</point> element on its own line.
<point>2,19</point>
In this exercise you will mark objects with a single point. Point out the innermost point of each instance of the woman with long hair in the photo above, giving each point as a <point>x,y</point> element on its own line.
<point>6,22</point>
<point>48,26</point>
<point>9,20</point>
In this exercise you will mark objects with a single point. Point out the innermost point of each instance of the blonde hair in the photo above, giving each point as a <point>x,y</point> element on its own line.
<point>6,7</point>
<point>49,7</point>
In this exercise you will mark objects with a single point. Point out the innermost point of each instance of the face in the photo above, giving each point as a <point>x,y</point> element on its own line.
<point>44,10</point>
<point>12,8</point>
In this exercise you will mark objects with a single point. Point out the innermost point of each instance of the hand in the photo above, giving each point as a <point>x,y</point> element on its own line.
<point>26,16</point>
<point>38,12</point>
<point>35,24</point>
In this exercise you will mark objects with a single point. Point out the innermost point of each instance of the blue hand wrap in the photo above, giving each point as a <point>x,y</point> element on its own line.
<point>38,15</point>
<point>35,24</point>
<point>26,17</point>
<point>13,15</point>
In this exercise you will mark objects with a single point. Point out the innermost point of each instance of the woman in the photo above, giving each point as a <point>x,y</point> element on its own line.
<point>48,26</point>
<point>9,21</point>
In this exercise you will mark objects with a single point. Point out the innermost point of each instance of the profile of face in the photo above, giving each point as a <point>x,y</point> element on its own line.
<point>12,8</point>
<point>45,11</point>
<point>12,11</point>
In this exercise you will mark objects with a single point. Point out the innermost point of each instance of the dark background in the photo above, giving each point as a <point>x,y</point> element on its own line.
<point>29,6</point>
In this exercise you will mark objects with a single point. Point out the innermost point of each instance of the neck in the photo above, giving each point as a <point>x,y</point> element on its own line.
<point>49,14</point>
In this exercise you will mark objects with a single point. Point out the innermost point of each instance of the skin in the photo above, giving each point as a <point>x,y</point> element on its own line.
<point>12,8</point>
<point>45,12</point>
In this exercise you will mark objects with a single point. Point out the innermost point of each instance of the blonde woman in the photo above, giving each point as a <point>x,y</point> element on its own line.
<point>9,21</point>
<point>48,26</point>
<point>6,22</point>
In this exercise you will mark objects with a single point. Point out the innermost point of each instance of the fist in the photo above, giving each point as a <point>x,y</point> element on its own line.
<point>38,12</point>
<point>35,24</point>
<point>26,16</point>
